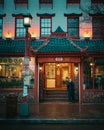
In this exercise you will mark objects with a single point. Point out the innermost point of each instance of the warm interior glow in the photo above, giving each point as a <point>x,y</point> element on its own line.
<point>8,35</point>
<point>86,30</point>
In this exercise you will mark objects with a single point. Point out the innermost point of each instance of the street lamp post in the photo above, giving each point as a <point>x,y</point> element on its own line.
<point>24,108</point>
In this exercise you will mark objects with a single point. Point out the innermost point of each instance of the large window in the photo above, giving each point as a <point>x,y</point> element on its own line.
<point>20,30</point>
<point>94,73</point>
<point>73,26</point>
<point>98,27</point>
<point>46,26</point>
<point>1,24</point>
<point>12,72</point>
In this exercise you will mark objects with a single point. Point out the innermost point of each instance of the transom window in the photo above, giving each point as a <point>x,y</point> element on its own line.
<point>1,25</point>
<point>73,26</point>
<point>98,27</point>
<point>46,26</point>
<point>20,30</point>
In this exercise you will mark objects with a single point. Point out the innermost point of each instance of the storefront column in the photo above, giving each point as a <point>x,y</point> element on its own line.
<point>81,83</point>
<point>36,87</point>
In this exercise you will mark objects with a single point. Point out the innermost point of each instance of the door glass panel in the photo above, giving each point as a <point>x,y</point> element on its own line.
<point>50,75</point>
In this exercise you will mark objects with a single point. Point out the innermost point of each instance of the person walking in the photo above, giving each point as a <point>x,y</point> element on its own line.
<point>70,89</point>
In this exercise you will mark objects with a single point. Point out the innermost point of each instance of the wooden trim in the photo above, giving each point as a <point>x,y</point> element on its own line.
<point>59,60</point>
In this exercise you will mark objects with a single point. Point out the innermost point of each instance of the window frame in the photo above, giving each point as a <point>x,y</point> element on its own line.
<point>41,2</point>
<point>45,17</point>
<point>23,37</point>
<point>68,2</point>
<point>20,2</point>
<point>97,17</point>
<point>1,28</point>
<point>2,3</point>
<point>73,17</point>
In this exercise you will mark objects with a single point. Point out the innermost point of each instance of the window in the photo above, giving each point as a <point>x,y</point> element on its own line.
<point>11,72</point>
<point>2,3</point>
<point>44,2</point>
<point>20,30</point>
<point>19,2</point>
<point>97,1</point>
<point>72,2</point>
<point>46,26</point>
<point>73,26</point>
<point>98,27</point>
<point>1,25</point>
<point>94,73</point>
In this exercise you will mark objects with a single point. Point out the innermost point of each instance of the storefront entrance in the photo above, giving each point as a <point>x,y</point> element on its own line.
<point>56,73</point>
<point>53,78</point>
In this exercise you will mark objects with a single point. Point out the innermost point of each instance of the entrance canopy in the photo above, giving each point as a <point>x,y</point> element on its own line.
<point>58,42</point>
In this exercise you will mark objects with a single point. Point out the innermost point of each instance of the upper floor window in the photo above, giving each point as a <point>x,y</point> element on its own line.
<point>72,2</point>
<point>20,29</point>
<point>44,2</point>
<point>98,27</point>
<point>97,1</point>
<point>1,25</point>
<point>73,26</point>
<point>2,3</point>
<point>45,26</point>
<point>19,2</point>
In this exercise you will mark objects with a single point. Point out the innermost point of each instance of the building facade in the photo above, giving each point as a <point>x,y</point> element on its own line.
<point>67,40</point>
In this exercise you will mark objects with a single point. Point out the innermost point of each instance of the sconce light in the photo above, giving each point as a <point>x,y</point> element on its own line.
<point>76,68</point>
<point>40,68</point>
<point>0,67</point>
<point>91,64</point>
<point>58,65</point>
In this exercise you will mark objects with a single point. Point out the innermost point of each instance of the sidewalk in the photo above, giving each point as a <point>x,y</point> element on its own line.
<point>56,112</point>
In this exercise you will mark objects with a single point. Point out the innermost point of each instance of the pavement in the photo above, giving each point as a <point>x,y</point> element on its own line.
<point>55,112</point>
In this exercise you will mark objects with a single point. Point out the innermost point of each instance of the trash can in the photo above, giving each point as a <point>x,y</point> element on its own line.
<point>11,105</point>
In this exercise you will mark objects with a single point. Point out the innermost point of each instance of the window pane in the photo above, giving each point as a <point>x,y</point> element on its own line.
<point>73,32</point>
<point>73,22</point>
<point>1,27</point>
<point>45,26</point>
<point>20,30</point>
<point>73,27</point>
<point>88,77</point>
<point>98,25</point>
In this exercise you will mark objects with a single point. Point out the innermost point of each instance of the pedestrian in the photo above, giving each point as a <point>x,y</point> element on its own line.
<point>70,89</point>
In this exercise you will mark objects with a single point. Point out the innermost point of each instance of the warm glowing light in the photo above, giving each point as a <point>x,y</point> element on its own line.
<point>8,34</point>
<point>86,30</point>
<point>40,68</point>
<point>0,67</point>
<point>91,64</point>
<point>27,21</point>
